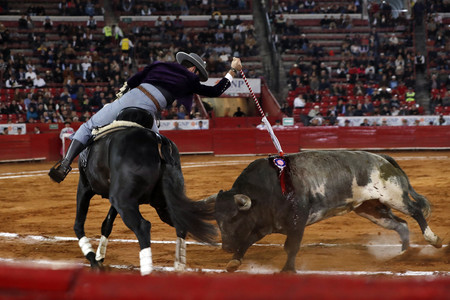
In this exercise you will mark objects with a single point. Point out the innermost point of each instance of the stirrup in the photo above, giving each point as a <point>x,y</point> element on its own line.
<point>58,172</point>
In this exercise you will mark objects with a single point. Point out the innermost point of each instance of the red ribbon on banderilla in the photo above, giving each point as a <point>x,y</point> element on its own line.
<point>279,161</point>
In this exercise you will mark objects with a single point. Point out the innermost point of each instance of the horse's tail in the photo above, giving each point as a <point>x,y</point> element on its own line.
<point>422,201</point>
<point>187,215</point>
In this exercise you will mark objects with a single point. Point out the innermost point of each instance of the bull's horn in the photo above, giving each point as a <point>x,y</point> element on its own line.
<point>211,199</point>
<point>244,202</point>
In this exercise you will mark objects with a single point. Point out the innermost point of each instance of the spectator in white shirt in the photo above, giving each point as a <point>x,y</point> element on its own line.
<point>261,125</point>
<point>30,73</point>
<point>277,125</point>
<point>117,32</point>
<point>85,66</point>
<point>299,102</point>
<point>39,82</point>
<point>91,23</point>
<point>12,82</point>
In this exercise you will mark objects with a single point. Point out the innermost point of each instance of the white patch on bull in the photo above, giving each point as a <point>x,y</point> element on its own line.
<point>319,189</point>
<point>389,192</point>
<point>315,217</point>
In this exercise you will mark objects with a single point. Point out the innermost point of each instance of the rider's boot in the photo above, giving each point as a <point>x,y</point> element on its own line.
<point>59,171</point>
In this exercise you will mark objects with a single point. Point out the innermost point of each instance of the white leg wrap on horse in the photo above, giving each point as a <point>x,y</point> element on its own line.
<point>85,245</point>
<point>145,257</point>
<point>101,250</point>
<point>180,255</point>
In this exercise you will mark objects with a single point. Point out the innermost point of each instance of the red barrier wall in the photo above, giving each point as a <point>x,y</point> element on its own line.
<point>30,147</point>
<point>193,141</point>
<point>232,122</point>
<point>29,283</point>
<point>249,140</point>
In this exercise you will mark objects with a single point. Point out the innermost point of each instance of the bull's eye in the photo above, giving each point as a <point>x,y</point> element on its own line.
<point>235,218</point>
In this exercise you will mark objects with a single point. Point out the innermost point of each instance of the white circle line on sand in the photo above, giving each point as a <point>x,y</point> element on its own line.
<point>187,165</point>
<point>40,238</point>
<point>24,174</point>
<point>67,265</point>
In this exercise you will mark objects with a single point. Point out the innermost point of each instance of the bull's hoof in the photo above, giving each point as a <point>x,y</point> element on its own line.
<point>288,270</point>
<point>405,247</point>
<point>233,265</point>
<point>438,243</point>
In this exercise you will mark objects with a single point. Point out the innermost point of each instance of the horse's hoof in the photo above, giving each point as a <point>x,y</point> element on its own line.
<point>97,266</point>
<point>233,265</point>
<point>179,267</point>
<point>100,265</point>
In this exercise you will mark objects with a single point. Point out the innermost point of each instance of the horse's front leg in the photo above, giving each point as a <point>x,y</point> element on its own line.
<point>84,195</point>
<point>107,226</point>
<point>180,252</point>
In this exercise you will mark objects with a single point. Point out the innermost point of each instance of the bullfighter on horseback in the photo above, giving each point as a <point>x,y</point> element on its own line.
<point>153,89</point>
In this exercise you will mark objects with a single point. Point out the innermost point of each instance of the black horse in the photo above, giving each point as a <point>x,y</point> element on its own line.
<point>131,167</point>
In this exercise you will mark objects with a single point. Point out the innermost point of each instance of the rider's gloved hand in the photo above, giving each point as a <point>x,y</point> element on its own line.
<point>236,64</point>
<point>125,88</point>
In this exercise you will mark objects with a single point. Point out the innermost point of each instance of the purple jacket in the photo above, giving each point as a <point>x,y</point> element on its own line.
<point>177,80</point>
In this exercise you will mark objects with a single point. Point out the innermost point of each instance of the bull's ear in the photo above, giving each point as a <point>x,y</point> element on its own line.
<point>242,201</point>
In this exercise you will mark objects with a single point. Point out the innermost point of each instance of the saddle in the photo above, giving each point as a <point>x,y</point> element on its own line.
<point>130,117</point>
<point>127,117</point>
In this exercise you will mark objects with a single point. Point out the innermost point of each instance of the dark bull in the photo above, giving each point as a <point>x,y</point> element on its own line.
<point>319,185</point>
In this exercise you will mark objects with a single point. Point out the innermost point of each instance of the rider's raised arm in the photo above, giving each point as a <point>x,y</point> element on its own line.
<point>222,85</point>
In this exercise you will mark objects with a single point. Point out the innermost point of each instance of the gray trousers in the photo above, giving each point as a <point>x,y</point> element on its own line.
<point>106,115</point>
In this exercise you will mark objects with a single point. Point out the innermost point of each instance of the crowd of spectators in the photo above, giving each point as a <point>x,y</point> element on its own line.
<point>80,8</point>
<point>438,49</point>
<point>438,46</point>
<point>223,38</point>
<point>71,77</point>
<point>315,7</point>
<point>377,68</point>
<point>88,63</point>
<point>182,7</point>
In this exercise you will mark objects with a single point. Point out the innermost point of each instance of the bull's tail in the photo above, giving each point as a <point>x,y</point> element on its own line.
<point>422,201</point>
<point>187,215</point>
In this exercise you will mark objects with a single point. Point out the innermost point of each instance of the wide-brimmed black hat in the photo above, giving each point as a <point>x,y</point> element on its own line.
<point>196,61</point>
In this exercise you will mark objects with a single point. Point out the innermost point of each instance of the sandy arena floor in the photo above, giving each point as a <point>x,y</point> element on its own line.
<point>37,219</point>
